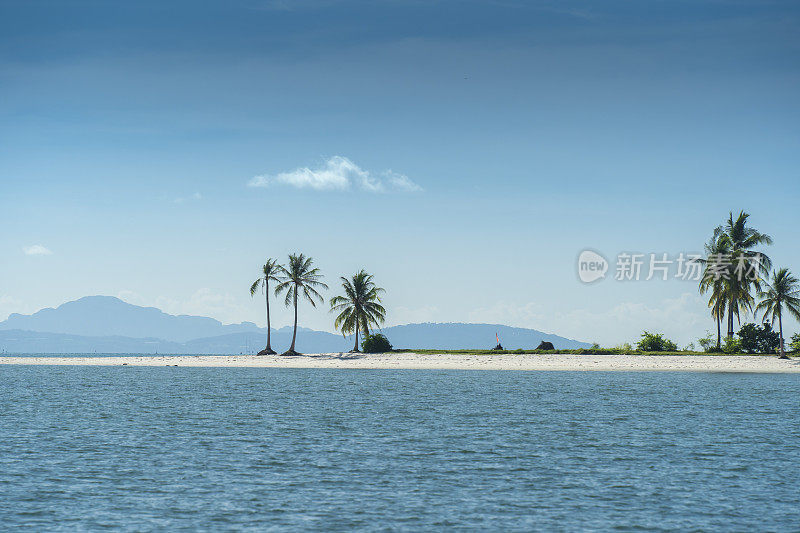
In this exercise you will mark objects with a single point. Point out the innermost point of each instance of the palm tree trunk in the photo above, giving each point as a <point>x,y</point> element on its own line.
<point>730,318</point>
<point>294,333</point>
<point>780,329</point>
<point>355,348</point>
<point>269,329</point>
<point>719,333</point>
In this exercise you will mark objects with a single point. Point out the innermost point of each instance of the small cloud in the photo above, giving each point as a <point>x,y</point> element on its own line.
<point>338,173</point>
<point>36,249</point>
<point>401,182</point>
<point>195,197</point>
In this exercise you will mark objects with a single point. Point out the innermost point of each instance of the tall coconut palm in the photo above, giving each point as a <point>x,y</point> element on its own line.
<point>360,306</point>
<point>782,292</point>
<point>299,279</point>
<point>742,241</point>
<point>738,290</point>
<point>715,279</point>
<point>269,272</point>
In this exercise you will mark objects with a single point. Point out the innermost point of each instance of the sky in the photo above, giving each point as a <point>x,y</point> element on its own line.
<point>463,152</point>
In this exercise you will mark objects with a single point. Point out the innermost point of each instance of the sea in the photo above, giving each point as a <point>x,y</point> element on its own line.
<point>260,449</point>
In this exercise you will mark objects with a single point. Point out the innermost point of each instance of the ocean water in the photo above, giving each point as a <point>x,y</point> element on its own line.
<point>138,449</point>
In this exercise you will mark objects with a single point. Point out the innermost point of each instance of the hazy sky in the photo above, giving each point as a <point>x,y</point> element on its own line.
<point>463,152</point>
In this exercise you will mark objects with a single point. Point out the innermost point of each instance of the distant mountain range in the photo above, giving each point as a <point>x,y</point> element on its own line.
<point>105,324</point>
<point>93,316</point>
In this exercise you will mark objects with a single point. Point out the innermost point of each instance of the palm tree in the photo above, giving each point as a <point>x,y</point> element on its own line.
<point>299,279</point>
<point>715,279</point>
<point>782,291</point>
<point>360,307</point>
<point>269,272</point>
<point>741,241</point>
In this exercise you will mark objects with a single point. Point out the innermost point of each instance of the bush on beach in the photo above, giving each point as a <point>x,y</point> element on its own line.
<point>794,344</point>
<point>759,339</point>
<point>376,343</point>
<point>731,345</point>
<point>655,342</point>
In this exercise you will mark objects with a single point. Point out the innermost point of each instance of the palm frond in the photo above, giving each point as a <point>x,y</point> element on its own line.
<point>254,287</point>
<point>359,303</point>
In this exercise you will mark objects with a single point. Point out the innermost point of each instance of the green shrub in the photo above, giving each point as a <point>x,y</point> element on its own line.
<point>759,339</point>
<point>732,345</point>
<point>708,343</point>
<point>376,343</point>
<point>794,344</point>
<point>655,342</point>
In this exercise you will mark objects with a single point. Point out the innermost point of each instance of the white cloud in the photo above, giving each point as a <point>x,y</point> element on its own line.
<point>338,173</point>
<point>194,197</point>
<point>401,182</point>
<point>36,249</point>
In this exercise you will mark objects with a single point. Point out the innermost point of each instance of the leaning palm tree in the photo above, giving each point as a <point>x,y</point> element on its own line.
<point>360,306</point>
<point>269,272</point>
<point>742,241</point>
<point>782,292</point>
<point>299,279</point>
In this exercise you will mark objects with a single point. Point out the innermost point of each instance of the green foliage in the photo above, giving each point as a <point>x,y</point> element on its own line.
<point>376,343</point>
<point>595,346</point>
<point>782,293</point>
<point>708,343</point>
<point>270,271</point>
<point>360,307</point>
<point>731,345</point>
<point>300,281</point>
<point>655,342</point>
<point>732,246</point>
<point>758,339</point>
<point>794,344</point>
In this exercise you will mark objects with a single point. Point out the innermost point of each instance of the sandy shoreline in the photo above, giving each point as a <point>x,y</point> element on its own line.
<point>690,363</point>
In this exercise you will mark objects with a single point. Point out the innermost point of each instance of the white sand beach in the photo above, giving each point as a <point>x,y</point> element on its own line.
<point>529,362</point>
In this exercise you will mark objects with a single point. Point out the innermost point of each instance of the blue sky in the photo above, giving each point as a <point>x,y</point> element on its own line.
<point>463,152</point>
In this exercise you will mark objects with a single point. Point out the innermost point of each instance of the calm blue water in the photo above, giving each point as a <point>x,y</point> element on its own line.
<point>128,448</point>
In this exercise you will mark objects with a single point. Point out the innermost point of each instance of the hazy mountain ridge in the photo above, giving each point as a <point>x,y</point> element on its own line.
<point>95,316</point>
<point>456,335</point>
<point>105,324</point>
